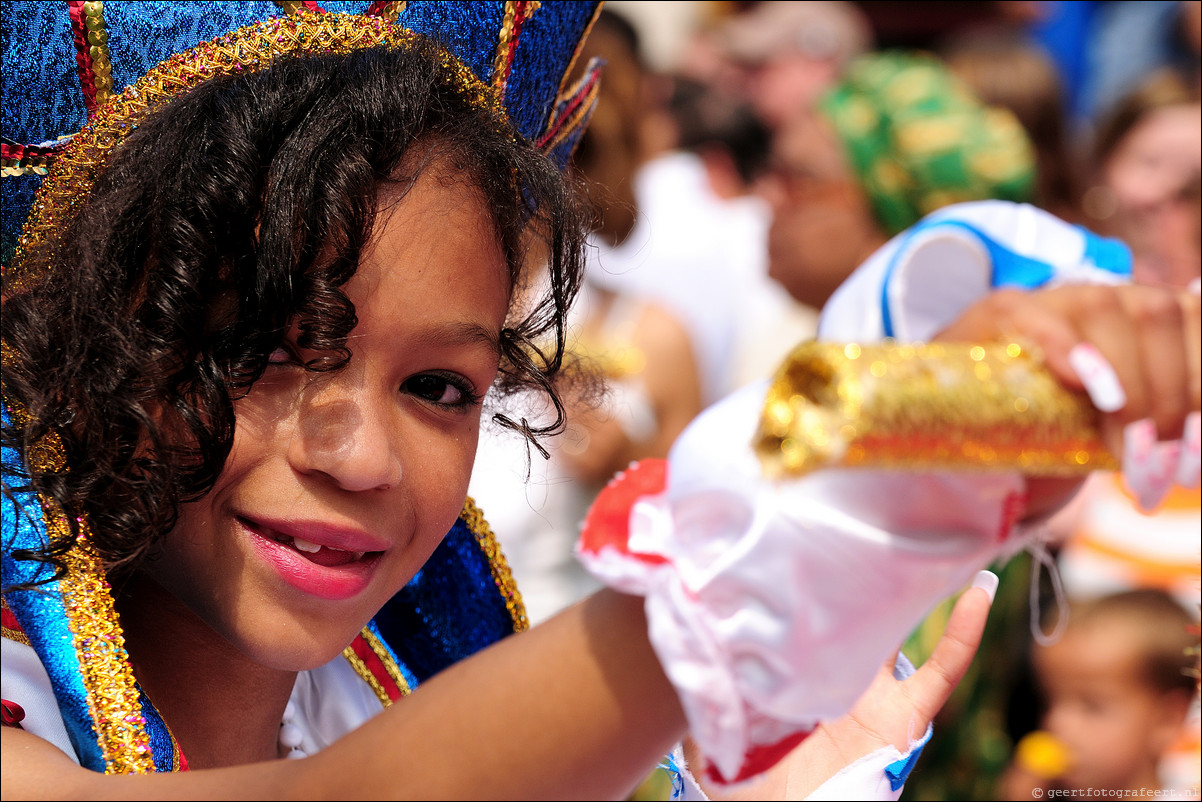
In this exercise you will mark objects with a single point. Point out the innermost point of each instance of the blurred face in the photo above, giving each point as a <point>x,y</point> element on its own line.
<point>822,226</point>
<point>340,485</point>
<point>1157,157</point>
<point>1149,175</point>
<point>1112,722</point>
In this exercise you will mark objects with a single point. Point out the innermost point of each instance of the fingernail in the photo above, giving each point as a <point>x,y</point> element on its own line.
<point>1195,286</point>
<point>1148,466</point>
<point>1099,378</point>
<point>986,581</point>
<point>1189,468</point>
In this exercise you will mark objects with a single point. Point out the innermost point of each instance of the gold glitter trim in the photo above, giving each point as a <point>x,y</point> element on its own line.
<point>98,51</point>
<point>291,7</point>
<point>935,406</point>
<point>390,11</point>
<point>365,674</point>
<point>247,49</point>
<point>499,567</point>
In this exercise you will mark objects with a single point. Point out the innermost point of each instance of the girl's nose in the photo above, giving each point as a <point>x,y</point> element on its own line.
<point>349,441</point>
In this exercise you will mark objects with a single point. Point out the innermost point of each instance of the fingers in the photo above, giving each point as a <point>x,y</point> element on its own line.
<point>934,682</point>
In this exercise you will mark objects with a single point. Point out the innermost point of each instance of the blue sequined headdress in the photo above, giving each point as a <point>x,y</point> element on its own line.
<point>77,75</point>
<point>96,67</point>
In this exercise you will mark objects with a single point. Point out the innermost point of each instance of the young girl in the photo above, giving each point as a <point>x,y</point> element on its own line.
<point>248,335</point>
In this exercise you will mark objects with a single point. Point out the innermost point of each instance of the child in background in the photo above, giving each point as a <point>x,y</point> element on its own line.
<point>1118,687</point>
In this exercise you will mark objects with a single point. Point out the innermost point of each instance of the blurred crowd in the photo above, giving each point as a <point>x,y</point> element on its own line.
<point>738,180</point>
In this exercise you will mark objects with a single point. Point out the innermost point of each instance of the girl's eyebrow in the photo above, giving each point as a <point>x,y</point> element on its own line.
<point>461,333</point>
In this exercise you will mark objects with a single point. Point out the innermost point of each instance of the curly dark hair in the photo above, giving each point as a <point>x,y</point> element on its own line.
<point>230,214</point>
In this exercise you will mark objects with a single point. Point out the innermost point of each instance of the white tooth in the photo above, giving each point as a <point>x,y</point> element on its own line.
<point>304,545</point>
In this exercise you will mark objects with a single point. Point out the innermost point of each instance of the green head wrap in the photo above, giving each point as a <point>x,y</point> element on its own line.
<point>919,140</point>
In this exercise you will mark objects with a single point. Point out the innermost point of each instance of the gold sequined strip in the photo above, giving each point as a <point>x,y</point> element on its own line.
<point>292,6</point>
<point>387,10</point>
<point>248,49</point>
<point>925,407</point>
<point>98,50</point>
<point>14,170</point>
<point>499,567</point>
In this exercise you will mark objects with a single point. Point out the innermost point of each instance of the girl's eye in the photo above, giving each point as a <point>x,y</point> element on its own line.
<point>447,391</point>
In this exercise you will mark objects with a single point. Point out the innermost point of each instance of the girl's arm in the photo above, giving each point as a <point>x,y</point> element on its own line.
<point>576,708</point>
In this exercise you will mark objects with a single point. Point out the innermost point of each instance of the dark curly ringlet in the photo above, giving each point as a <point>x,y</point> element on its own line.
<point>228,214</point>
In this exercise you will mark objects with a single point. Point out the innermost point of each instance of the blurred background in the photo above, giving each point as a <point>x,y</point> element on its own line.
<point>744,157</point>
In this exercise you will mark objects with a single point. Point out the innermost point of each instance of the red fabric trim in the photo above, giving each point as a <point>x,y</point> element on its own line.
<point>83,59</point>
<point>1013,507</point>
<point>312,6</point>
<point>9,621</point>
<point>13,714</point>
<point>759,759</point>
<point>14,151</point>
<point>607,524</point>
<point>376,667</point>
<point>376,8</point>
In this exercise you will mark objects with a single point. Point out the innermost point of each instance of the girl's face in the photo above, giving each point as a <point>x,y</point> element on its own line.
<point>340,485</point>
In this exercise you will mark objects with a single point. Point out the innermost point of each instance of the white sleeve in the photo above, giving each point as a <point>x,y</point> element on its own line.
<point>24,681</point>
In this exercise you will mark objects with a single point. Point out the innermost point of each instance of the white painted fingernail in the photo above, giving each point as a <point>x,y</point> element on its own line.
<point>1099,378</point>
<point>1195,286</point>
<point>1189,468</point>
<point>1149,467</point>
<point>986,581</point>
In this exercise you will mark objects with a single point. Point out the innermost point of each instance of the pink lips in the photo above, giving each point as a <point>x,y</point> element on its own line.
<point>342,580</point>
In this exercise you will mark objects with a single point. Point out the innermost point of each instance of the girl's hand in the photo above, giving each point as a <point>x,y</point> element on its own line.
<point>891,712</point>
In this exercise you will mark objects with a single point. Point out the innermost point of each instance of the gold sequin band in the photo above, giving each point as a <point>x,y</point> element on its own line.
<point>248,49</point>
<point>92,52</point>
<point>922,407</point>
<point>498,566</point>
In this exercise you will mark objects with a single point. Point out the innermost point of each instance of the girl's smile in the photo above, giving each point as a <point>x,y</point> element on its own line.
<point>340,484</point>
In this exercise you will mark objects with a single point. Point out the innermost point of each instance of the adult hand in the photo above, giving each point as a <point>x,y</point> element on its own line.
<point>1133,348</point>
